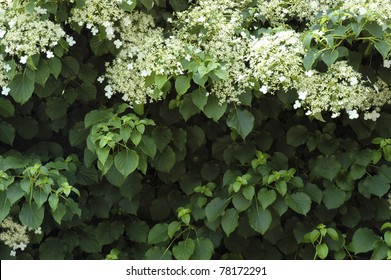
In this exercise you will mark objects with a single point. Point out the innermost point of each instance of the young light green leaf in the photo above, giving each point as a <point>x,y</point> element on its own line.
<point>184,249</point>
<point>126,161</point>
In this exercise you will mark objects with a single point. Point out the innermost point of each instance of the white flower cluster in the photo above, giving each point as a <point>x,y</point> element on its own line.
<point>276,59</point>
<point>13,235</point>
<point>278,12</point>
<point>340,88</point>
<point>221,35</point>
<point>378,10</point>
<point>97,15</point>
<point>24,34</point>
<point>4,78</point>
<point>142,53</point>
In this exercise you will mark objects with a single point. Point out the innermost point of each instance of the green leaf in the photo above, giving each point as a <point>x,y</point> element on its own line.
<point>326,167</point>
<point>7,133</point>
<point>333,234</point>
<point>297,135</point>
<point>266,197</point>
<point>259,219</point>
<point>22,88</point>
<point>126,161</point>
<point>184,249</point>
<point>299,202</point>
<point>363,240</point>
<point>213,109</point>
<point>158,233</point>
<point>5,206</point>
<point>182,84</point>
<point>7,110</point>
<point>203,249</point>
<point>229,222</point>
<point>59,213</point>
<point>31,215</point>
<point>43,72</point>
<point>187,108</point>
<point>384,48</point>
<point>137,231</point>
<point>242,121</point>
<point>377,185</point>
<point>162,136</point>
<point>248,192</point>
<point>330,56</point>
<point>333,197</point>
<point>55,66</point>
<point>106,232</point>
<point>165,160</point>
<point>70,67</point>
<point>52,249</point>
<point>215,208</point>
<point>158,253</point>
<point>100,46</point>
<point>173,228</point>
<point>96,116</point>
<point>148,4</point>
<point>199,98</point>
<point>322,250</point>
<point>14,193</point>
<point>148,146</point>
<point>357,171</point>
<point>310,58</point>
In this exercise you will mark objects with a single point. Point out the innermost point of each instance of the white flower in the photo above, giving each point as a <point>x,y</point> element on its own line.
<point>49,54</point>
<point>335,115</point>
<point>145,73</point>
<point>297,104</point>
<point>11,23</point>
<point>264,89</point>
<point>129,2</point>
<point>117,43</point>
<point>201,19</point>
<point>22,246</point>
<point>129,66</point>
<point>100,79</point>
<point>38,231</point>
<point>70,41</point>
<point>13,253</point>
<point>302,95</point>
<point>308,113</point>
<point>94,31</point>
<point>89,26</point>
<point>40,10</point>
<point>372,116</point>
<point>5,91</point>
<point>353,114</point>
<point>353,81</point>
<point>309,73</point>
<point>387,63</point>
<point>2,33</point>
<point>127,21</point>
<point>7,68</point>
<point>23,59</point>
<point>282,78</point>
<point>108,91</point>
<point>188,57</point>
<point>110,32</point>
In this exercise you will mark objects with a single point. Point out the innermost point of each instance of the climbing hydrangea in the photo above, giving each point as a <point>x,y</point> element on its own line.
<point>24,32</point>
<point>13,235</point>
<point>341,88</point>
<point>276,59</point>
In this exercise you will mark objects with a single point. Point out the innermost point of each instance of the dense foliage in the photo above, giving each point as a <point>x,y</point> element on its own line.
<point>210,129</point>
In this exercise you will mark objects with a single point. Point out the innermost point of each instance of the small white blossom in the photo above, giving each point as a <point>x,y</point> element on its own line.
<point>264,89</point>
<point>117,43</point>
<point>2,33</point>
<point>5,91</point>
<point>387,63</point>
<point>353,81</point>
<point>38,231</point>
<point>13,253</point>
<point>129,66</point>
<point>108,91</point>
<point>353,114</point>
<point>70,41</point>
<point>335,115</point>
<point>188,57</point>
<point>94,31</point>
<point>308,113</point>
<point>309,73</point>
<point>7,68</point>
<point>282,78</point>
<point>40,10</point>
<point>371,116</point>
<point>302,94</point>
<point>100,79</point>
<point>49,54</point>
<point>23,59</point>
<point>145,73</point>
<point>297,104</point>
